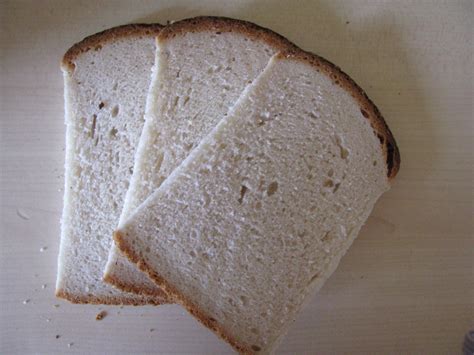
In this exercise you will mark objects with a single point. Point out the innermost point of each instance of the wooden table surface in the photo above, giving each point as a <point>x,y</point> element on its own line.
<point>406,285</point>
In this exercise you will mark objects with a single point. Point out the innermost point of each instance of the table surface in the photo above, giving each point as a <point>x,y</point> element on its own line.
<point>406,285</point>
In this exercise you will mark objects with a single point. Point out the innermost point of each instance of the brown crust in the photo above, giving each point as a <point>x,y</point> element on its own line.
<point>177,296</point>
<point>142,291</point>
<point>367,107</point>
<point>109,300</point>
<point>224,24</point>
<point>97,40</point>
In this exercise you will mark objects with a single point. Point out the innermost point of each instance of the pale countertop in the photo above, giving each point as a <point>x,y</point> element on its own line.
<point>407,284</point>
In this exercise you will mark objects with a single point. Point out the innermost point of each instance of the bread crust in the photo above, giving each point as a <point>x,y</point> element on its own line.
<point>96,41</point>
<point>145,292</point>
<point>367,107</point>
<point>110,300</point>
<point>220,25</point>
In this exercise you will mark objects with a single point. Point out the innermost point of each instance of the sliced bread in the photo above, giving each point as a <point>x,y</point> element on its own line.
<point>260,213</point>
<point>203,65</point>
<point>106,79</point>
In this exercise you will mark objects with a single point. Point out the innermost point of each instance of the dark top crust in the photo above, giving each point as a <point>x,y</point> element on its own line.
<point>97,40</point>
<point>220,25</point>
<point>367,108</point>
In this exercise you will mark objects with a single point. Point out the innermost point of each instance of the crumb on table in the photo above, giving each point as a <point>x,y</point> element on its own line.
<point>100,315</point>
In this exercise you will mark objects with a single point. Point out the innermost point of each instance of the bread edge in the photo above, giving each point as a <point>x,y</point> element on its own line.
<point>131,288</point>
<point>224,24</point>
<point>109,300</point>
<point>367,108</point>
<point>96,41</point>
<point>177,296</point>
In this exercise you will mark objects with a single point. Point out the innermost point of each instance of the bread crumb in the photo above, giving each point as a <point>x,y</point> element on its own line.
<point>26,301</point>
<point>70,344</point>
<point>43,286</point>
<point>42,249</point>
<point>101,315</point>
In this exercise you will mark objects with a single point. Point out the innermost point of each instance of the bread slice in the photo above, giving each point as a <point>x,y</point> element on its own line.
<point>259,215</point>
<point>106,79</point>
<point>203,66</point>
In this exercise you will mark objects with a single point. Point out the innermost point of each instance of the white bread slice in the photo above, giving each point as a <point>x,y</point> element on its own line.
<point>203,64</point>
<point>259,215</point>
<point>106,79</point>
